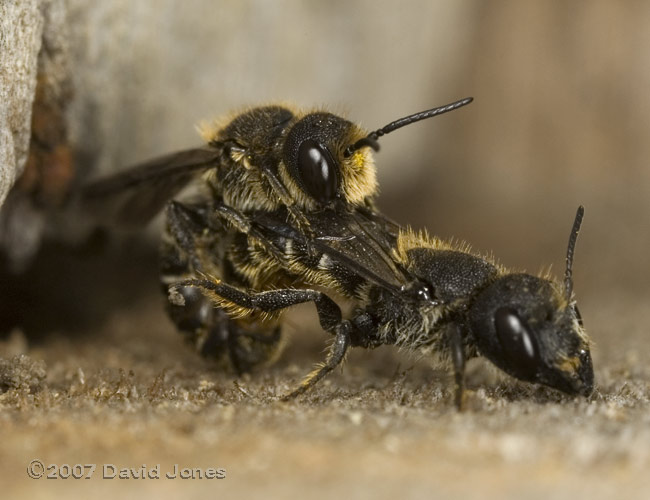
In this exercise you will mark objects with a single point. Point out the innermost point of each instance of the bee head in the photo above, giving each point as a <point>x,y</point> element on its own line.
<point>531,328</point>
<point>315,168</point>
<point>327,158</point>
<point>527,327</point>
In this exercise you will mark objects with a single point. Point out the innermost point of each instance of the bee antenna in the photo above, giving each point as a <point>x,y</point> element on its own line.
<point>371,139</point>
<point>568,278</point>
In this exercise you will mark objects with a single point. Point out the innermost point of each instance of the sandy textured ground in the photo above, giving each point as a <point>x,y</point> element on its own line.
<point>119,387</point>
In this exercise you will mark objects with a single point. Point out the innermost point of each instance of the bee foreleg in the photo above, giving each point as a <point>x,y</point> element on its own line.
<point>233,217</point>
<point>458,359</point>
<point>286,198</point>
<point>242,223</point>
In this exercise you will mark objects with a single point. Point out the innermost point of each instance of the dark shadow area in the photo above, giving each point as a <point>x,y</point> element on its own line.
<point>71,289</point>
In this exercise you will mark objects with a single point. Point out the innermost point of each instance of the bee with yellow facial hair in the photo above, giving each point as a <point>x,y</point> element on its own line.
<point>288,205</point>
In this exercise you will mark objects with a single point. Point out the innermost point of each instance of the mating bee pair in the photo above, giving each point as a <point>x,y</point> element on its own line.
<point>286,209</point>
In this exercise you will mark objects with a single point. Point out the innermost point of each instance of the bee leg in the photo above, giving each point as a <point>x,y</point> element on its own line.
<point>329,316</point>
<point>233,217</point>
<point>458,359</point>
<point>249,349</point>
<point>243,225</point>
<point>335,356</point>
<point>282,193</point>
<point>209,328</point>
<point>184,222</point>
<point>193,314</point>
<point>218,337</point>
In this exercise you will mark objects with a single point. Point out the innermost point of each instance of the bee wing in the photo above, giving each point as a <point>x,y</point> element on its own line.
<point>135,196</point>
<point>353,240</point>
<point>364,241</point>
<point>386,225</point>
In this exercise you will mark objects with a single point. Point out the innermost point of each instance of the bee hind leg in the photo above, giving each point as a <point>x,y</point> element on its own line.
<point>247,350</point>
<point>329,315</point>
<point>335,356</point>
<point>239,342</point>
<point>216,336</point>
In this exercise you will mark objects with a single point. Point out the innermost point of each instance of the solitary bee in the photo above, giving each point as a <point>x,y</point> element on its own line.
<point>437,299</point>
<point>289,204</point>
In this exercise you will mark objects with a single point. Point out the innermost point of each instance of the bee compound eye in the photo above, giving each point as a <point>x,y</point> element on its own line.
<point>517,341</point>
<point>317,171</point>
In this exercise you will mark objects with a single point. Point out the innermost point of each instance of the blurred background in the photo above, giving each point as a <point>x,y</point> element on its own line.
<point>560,118</point>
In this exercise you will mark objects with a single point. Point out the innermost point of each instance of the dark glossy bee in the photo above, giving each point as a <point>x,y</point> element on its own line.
<point>433,298</point>
<point>288,205</point>
<point>265,159</point>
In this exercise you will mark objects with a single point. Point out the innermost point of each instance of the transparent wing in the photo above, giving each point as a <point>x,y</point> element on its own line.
<point>358,242</point>
<point>135,196</point>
